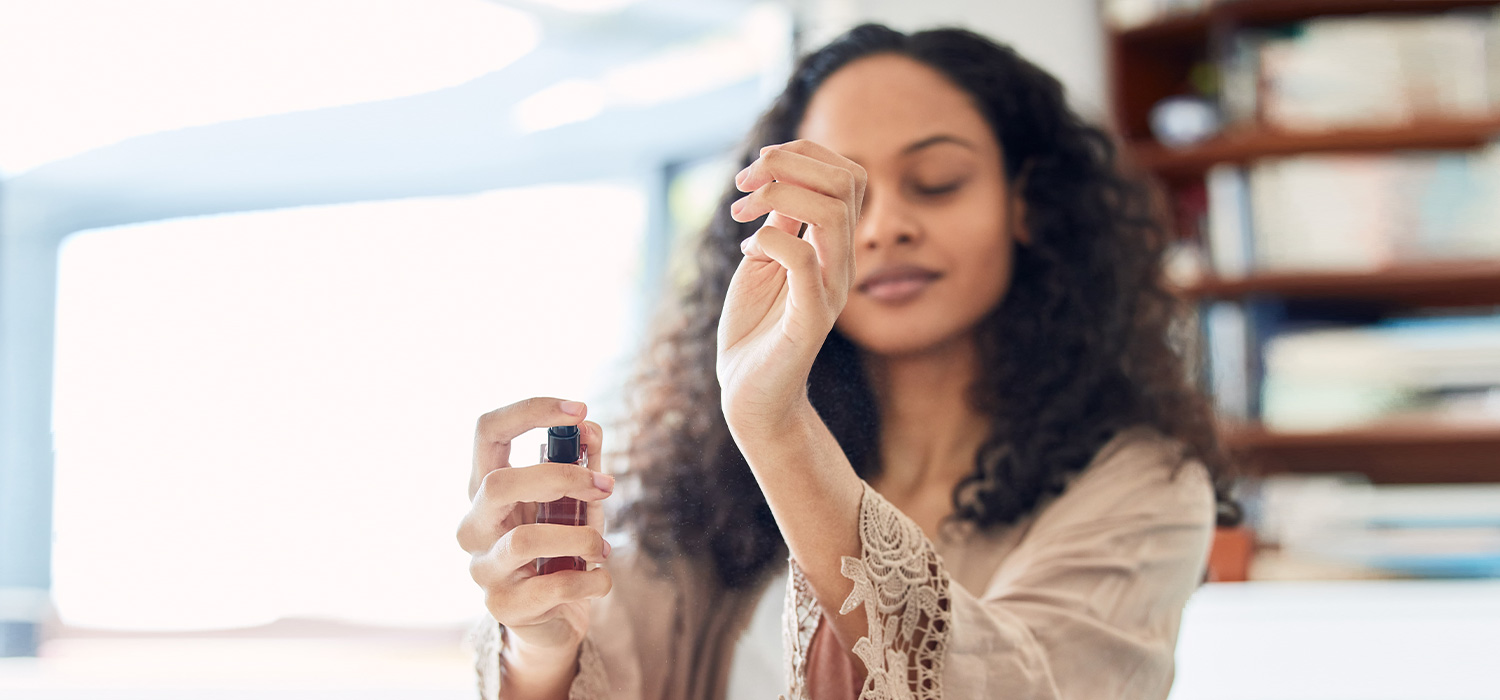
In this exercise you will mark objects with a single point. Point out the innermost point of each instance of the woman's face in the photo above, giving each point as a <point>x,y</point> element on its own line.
<point>933,244</point>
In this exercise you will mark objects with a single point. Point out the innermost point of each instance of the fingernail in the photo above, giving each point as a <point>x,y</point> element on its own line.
<point>606,549</point>
<point>739,177</point>
<point>745,246</point>
<point>572,408</point>
<point>604,482</point>
<point>734,209</point>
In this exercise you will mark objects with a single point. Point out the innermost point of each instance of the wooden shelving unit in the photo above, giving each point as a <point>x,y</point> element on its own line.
<point>1195,26</point>
<point>1391,454</point>
<point>1152,62</point>
<point>1183,163</point>
<point>1417,285</point>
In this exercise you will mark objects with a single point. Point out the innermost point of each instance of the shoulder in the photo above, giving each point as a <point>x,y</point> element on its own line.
<point>1137,474</point>
<point>1141,463</point>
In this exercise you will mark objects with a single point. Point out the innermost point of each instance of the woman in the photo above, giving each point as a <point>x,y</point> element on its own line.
<point>937,379</point>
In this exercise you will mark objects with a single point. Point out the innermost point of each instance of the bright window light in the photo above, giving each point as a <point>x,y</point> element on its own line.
<point>566,102</point>
<point>586,6</point>
<point>270,415</point>
<point>757,48</point>
<point>79,74</point>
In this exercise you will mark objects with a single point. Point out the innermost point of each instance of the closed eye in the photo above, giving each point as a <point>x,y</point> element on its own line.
<point>935,190</point>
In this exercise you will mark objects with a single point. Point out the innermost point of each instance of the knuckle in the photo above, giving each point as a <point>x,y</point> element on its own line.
<point>848,182</point>
<point>593,542</point>
<point>493,486</point>
<point>481,424</point>
<point>581,477</point>
<point>482,571</point>
<point>462,534</point>
<point>519,541</point>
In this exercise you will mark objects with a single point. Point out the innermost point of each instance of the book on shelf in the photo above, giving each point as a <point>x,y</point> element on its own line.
<point>1369,71</point>
<point>1229,227</point>
<point>1347,524</point>
<point>1435,370</point>
<point>1353,212</point>
<point>1229,344</point>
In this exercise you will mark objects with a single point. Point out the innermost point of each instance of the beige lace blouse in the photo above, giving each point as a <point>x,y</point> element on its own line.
<point>1080,600</point>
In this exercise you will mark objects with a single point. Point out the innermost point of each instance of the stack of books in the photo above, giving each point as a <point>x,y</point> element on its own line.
<point>1428,370</point>
<point>1370,71</point>
<point>1348,212</point>
<point>1344,527</point>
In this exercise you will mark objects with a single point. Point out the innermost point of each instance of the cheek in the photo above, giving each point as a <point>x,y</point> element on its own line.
<point>982,271</point>
<point>979,246</point>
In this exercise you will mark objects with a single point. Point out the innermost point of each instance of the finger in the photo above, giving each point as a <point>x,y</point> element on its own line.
<point>593,449</point>
<point>796,202</point>
<point>530,601</point>
<point>795,255</point>
<point>503,490</point>
<point>829,224</point>
<point>817,151</point>
<point>784,165</point>
<point>496,430</point>
<point>522,546</point>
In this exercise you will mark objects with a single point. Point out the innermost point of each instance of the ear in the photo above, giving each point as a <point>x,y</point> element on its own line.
<point>1015,208</point>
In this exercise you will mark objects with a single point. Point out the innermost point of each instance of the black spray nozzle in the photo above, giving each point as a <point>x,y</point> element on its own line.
<point>562,444</point>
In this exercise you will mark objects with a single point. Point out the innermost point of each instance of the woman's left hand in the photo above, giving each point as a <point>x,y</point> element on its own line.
<point>788,291</point>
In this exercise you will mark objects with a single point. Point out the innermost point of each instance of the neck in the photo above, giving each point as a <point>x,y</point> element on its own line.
<point>929,434</point>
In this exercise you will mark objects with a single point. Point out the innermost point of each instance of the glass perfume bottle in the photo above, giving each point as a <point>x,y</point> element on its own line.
<point>562,446</point>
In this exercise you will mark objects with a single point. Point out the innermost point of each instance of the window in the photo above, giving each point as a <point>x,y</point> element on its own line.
<point>270,415</point>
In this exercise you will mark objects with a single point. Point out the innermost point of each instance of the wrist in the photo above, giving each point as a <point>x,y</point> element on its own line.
<point>777,423</point>
<point>536,671</point>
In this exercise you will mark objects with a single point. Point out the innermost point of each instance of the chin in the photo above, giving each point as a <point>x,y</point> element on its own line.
<point>903,332</point>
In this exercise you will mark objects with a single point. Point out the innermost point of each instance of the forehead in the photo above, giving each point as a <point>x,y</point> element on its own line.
<point>871,109</point>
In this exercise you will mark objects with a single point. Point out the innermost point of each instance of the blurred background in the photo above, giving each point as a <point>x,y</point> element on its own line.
<point>263,264</point>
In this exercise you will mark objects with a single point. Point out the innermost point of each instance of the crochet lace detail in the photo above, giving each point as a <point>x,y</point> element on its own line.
<point>799,620</point>
<point>900,580</point>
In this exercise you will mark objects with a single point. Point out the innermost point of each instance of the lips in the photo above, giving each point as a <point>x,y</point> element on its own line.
<point>897,283</point>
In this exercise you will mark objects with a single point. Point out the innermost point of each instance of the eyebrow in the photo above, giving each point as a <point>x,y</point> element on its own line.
<point>937,139</point>
<point>928,142</point>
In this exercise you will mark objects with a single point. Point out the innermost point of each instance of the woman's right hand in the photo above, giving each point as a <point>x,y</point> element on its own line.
<point>545,616</point>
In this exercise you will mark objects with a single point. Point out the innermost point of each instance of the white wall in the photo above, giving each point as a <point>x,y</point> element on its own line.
<point>1063,36</point>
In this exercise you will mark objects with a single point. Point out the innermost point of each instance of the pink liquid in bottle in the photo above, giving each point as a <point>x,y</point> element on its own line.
<point>562,446</point>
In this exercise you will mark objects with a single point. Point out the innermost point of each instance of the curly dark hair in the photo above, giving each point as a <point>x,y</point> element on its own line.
<point>1082,346</point>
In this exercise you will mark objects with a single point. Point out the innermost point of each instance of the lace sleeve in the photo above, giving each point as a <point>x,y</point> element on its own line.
<point>900,581</point>
<point>488,638</point>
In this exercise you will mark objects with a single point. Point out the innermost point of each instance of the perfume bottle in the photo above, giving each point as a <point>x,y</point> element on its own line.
<point>562,446</point>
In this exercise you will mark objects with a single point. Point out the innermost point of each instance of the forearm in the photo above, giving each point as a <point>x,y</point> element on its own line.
<point>814,495</point>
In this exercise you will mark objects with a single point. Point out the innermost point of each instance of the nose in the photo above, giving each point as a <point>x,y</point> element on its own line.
<point>886,222</point>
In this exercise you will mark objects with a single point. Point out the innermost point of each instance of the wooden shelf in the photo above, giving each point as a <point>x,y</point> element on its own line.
<point>1386,454</point>
<point>1195,27</point>
<point>1436,284</point>
<point>1193,161</point>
